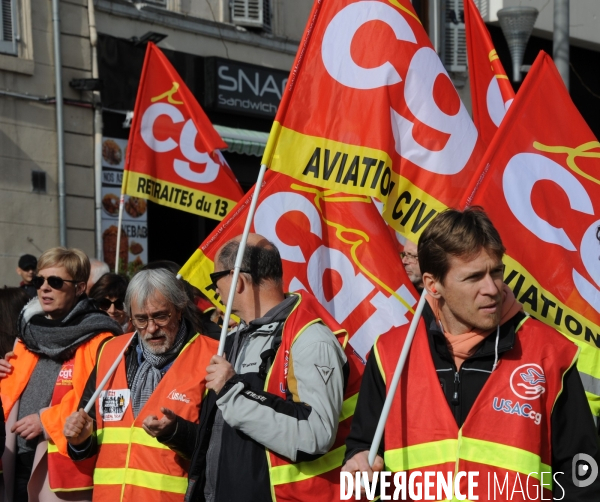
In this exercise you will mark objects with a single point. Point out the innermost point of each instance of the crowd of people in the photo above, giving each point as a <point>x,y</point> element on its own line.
<point>113,390</point>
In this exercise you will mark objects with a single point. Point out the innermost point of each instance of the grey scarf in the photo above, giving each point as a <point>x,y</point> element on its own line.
<point>149,374</point>
<point>54,342</point>
<point>59,339</point>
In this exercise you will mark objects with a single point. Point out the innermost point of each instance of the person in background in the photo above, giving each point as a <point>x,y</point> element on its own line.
<point>410,260</point>
<point>59,335</point>
<point>109,294</point>
<point>12,301</point>
<point>26,269</point>
<point>97,270</point>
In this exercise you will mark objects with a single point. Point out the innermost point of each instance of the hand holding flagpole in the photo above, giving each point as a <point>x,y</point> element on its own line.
<point>110,372</point>
<point>396,379</point>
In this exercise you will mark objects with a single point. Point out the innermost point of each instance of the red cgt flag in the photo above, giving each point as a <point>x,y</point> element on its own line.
<point>336,247</point>
<point>331,245</point>
<point>539,185</point>
<point>491,91</point>
<point>173,155</point>
<point>370,110</point>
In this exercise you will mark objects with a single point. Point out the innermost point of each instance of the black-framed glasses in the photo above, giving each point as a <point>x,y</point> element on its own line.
<point>105,303</point>
<point>159,320</point>
<point>409,256</point>
<point>215,276</point>
<point>53,281</point>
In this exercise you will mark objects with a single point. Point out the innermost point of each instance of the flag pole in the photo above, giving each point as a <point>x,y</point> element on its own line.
<point>112,369</point>
<point>396,379</point>
<point>121,204</point>
<point>240,257</point>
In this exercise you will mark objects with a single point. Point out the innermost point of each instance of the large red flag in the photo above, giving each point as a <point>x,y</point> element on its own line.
<point>336,247</point>
<point>539,185</point>
<point>370,110</point>
<point>491,91</point>
<point>332,245</point>
<point>173,155</point>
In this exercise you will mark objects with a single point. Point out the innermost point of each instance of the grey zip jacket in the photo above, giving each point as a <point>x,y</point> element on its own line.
<point>229,461</point>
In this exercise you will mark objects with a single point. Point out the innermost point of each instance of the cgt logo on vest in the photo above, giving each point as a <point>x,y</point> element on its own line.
<point>527,381</point>
<point>178,396</point>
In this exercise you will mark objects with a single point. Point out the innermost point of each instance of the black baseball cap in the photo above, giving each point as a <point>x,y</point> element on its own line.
<point>27,262</point>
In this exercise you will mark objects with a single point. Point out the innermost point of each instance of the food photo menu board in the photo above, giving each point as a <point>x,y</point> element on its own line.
<point>133,253</point>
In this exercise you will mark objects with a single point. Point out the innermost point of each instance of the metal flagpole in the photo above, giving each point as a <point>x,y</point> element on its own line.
<point>121,204</point>
<point>240,257</point>
<point>396,379</point>
<point>112,369</point>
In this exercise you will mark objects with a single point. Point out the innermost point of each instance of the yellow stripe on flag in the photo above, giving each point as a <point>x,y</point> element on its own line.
<point>176,196</point>
<point>355,170</point>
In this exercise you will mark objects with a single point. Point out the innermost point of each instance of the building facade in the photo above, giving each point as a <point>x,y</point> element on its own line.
<point>234,55</point>
<point>249,37</point>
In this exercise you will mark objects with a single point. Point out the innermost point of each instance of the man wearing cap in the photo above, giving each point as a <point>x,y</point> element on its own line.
<point>26,269</point>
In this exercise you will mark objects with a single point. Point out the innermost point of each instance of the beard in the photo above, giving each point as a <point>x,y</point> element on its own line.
<point>158,342</point>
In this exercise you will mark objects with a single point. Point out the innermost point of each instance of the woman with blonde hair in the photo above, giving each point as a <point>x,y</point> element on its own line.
<point>60,332</point>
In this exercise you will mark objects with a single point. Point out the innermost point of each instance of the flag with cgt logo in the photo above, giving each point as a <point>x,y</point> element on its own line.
<point>491,91</point>
<point>173,155</point>
<point>370,110</point>
<point>539,184</point>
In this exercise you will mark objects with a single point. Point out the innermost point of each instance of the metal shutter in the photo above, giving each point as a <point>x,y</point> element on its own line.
<point>455,46</point>
<point>248,13</point>
<point>7,23</point>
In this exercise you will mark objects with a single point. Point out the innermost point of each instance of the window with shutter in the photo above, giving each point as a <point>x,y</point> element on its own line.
<point>455,44</point>
<point>158,3</point>
<point>252,13</point>
<point>8,43</point>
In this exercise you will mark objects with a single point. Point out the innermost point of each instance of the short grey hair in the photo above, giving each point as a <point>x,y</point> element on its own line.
<point>98,269</point>
<point>146,283</point>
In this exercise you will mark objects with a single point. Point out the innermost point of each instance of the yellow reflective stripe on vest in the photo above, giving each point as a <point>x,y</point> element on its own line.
<point>290,473</point>
<point>421,455</point>
<point>502,456</point>
<point>126,435</point>
<point>348,407</point>
<point>143,479</point>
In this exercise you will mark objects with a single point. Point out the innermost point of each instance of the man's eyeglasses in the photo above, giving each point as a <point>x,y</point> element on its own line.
<point>159,320</point>
<point>105,303</point>
<point>215,276</point>
<point>53,281</point>
<point>409,256</point>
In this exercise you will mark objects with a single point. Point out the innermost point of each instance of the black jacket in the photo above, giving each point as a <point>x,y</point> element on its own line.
<point>573,429</point>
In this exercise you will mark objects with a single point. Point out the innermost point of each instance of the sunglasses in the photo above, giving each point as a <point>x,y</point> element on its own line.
<point>53,281</point>
<point>215,276</point>
<point>105,303</point>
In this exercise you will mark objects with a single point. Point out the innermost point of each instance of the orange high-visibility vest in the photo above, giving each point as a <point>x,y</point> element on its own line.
<point>507,433</point>
<point>63,473</point>
<point>133,466</point>
<point>318,479</point>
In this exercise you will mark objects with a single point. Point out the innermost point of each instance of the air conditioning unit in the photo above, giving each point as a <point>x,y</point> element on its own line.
<point>251,13</point>
<point>454,54</point>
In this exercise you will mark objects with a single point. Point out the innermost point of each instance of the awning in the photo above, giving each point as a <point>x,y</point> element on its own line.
<point>243,140</point>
